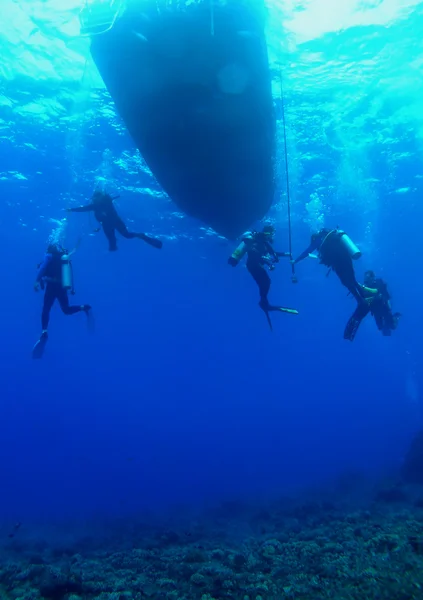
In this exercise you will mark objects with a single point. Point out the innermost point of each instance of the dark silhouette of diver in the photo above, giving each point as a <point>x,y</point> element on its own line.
<point>106,214</point>
<point>376,290</point>
<point>336,251</point>
<point>260,254</point>
<point>50,277</point>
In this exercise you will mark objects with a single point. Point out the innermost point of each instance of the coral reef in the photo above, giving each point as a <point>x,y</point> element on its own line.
<point>300,549</point>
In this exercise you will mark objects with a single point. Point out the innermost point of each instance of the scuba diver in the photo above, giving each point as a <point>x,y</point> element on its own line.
<point>106,214</point>
<point>336,251</point>
<point>260,254</point>
<point>56,277</point>
<point>376,290</point>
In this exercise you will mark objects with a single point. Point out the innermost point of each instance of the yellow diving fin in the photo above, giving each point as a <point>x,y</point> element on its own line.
<point>291,311</point>
<point>267,309</point>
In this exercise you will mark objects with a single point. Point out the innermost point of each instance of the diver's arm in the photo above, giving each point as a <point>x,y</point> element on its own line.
<point>368,291</point>
<point>306,252</point>
<point>271,250</point>
<point>86,208</point>
<point>78,243</point>
<point>42,270</point>
<point>43,267</point>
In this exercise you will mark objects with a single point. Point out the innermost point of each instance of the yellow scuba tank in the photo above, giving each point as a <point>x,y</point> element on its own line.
<point>240,251</point>
<point>349,245</point>
<point>67,275</point>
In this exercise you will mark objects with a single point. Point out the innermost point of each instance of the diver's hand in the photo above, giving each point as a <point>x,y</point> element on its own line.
<point>36,286</point>
<point>292,261</point>
<point>232,261</point>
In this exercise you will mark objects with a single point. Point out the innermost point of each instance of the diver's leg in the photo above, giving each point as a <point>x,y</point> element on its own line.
<point>49,298</point>
<point>345,271</point>
<point>385,320</point>
<point>63,299</point>
<point>120,226</point>
<point>123,230</point>
<point>109,232</point>
<point>379,321</point>
<point>261,277</point>
<point>390,319</point>
<point>354,321</point>
<point>382,315</point>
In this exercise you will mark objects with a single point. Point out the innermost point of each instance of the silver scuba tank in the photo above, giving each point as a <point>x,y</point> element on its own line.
<point>67,275</point>
<point>349,245</point>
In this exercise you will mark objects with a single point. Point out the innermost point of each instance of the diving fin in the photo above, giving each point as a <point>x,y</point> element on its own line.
<point>38,349</point>
<point>265,307</point>
<point>351,328</point>
<point>90,321</point>
<point>290,311</point>
<point>284,309</point>
<point>156,243</point>
<point>268,319</point>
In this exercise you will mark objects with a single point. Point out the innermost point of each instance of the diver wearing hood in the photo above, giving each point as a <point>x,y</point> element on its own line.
<point>56,277</point>
<point>105,213</point>
<point>260,254</point>
<point>336,251</point>
<point>376,290</point>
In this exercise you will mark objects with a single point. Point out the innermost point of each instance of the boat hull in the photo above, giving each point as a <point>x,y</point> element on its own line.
<point>194,90</point>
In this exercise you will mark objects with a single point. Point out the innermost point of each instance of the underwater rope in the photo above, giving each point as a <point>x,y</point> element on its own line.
<point>293,276</point>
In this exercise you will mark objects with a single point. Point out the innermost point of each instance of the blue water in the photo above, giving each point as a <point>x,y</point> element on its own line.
<point>182,395</point>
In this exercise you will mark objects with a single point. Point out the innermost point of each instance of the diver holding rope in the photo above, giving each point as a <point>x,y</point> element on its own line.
<point>260,254</point>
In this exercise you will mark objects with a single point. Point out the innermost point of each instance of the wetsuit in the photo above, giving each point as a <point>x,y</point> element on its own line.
<point>49,276</point>
<point>334,255</point>
<point>106,214</point>
<point>260,253</point>
<point>380,307</point>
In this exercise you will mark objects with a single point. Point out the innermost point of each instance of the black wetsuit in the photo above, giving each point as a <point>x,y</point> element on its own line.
<point>334,255</point>
<point>106,214</point>
<point>50,276</point>
<point>386,320</point>
<point>260,253</point>
<point>379,306</point>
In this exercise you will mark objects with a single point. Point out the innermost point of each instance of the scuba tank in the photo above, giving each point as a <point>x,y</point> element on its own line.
<point>67,274</point>
<point>240,251</point>
<point>349,245</point>
<point>346,242</point>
